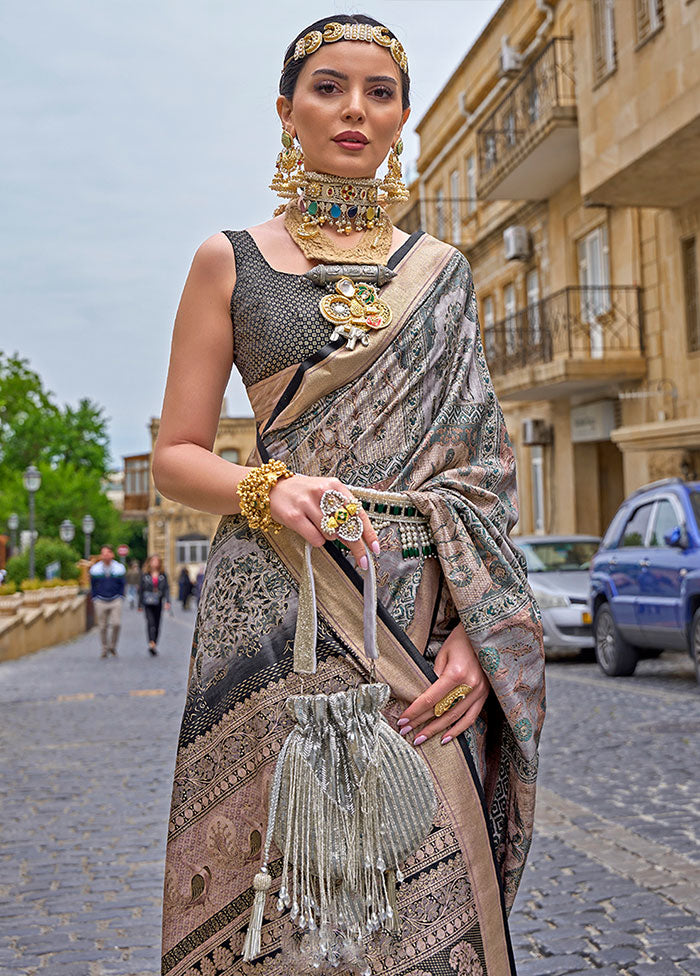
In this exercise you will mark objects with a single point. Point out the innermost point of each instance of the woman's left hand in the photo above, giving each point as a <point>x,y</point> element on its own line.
<point>456,664</point>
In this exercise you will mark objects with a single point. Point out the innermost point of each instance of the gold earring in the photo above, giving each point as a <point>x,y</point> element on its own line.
<point>393,186</point>
<point>289,174</point>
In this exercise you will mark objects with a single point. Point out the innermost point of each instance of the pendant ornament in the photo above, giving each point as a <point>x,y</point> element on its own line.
<point>354,309</point>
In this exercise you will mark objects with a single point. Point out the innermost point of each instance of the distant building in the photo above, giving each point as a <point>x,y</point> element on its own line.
<point>179,534</point>
<point>563,159</point>
<point>113,487</point>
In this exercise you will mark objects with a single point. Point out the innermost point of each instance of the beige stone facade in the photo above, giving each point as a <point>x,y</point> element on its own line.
<point>563,158</point>
<point>181,535</point>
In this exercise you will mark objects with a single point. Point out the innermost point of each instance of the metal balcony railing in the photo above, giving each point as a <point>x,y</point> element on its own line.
<point>545,89</point>
<point>588,322</point>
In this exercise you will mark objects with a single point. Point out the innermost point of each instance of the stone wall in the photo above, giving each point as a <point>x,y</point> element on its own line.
<point>41,618</point>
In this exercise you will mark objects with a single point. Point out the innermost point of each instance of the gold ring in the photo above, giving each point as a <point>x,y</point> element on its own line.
<point>451,698</point>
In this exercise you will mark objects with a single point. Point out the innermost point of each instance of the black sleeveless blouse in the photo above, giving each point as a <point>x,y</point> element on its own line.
<point>275,315</point>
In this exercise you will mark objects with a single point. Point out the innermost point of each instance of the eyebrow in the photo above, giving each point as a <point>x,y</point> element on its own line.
<point>338,74</point>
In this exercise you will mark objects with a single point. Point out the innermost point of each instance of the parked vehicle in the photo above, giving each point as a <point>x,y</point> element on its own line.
<point>645,579</point>
<point>558,568</point>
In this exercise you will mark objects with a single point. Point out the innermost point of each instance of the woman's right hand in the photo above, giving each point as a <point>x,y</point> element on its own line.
<point>296,503</point>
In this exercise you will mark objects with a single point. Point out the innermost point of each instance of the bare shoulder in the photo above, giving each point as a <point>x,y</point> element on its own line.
<point>270,231</point>
<point>214,259</point>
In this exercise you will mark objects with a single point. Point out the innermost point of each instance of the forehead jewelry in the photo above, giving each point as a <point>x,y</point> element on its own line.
<point>349,32</point>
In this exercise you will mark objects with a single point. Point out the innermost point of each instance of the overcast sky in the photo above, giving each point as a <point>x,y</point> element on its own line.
<point>132,132</point>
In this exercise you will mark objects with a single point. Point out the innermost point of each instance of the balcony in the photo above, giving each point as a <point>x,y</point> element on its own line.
<point>528,146</point>
<point>578,340</point>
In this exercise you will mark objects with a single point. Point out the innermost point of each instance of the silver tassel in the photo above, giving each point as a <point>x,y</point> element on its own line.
<point>251,946</point>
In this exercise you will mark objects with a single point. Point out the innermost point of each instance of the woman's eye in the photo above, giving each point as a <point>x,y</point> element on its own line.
<point>383,92</point>
<point>325,86</point>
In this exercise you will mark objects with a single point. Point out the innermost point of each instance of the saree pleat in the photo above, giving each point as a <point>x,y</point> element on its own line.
<point>414,412</point>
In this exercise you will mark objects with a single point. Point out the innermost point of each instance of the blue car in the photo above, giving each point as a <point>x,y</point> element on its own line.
<point>645,578</point>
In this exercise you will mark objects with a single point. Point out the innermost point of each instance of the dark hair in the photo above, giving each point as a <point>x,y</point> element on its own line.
<point>290,73</point>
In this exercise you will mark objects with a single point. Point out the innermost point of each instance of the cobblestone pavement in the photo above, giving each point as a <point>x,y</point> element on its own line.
<point>88,746</point>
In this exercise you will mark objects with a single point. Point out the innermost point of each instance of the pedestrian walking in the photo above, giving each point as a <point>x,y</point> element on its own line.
<point>395,597</point>
<point>133,579</point>
<point>185,587</point>
<point>154,592</point>
<point>107,578</point>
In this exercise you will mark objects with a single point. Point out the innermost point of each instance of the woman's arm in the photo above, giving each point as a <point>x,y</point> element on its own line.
<point>201,357</point>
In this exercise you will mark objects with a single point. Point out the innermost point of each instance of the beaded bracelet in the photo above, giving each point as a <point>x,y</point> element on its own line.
<point>254,492</point>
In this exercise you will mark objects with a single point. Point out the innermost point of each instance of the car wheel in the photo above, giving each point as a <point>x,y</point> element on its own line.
<point>615,656</point>
<point>695,642</point>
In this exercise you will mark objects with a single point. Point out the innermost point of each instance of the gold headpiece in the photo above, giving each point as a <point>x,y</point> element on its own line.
<point>349,32</point>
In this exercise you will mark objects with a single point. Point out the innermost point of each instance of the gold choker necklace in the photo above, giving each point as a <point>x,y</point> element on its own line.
<point>346,204</point>
<point>372,248</point>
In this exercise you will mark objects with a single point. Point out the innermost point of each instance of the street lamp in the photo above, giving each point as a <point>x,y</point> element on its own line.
<point>32,482</point>
<point>66,530</point>
<point>13,525</point>
<point>88,527</point>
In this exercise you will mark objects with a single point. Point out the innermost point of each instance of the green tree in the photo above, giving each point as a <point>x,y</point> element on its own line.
<point>69,446</point>
<point>34,428</point>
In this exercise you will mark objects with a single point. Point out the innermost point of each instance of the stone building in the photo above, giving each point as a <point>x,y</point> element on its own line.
<point>179,534</point>
<point>563,158</point>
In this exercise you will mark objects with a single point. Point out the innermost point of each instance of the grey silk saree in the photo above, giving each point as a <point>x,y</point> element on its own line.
<point>413,412</point>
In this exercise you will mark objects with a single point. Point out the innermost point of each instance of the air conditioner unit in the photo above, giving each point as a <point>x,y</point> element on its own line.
<point>516,242</point>
<point>510,60</point>
<point>535,432</point>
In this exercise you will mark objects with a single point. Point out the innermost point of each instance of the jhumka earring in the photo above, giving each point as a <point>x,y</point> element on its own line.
<point>392,184</point>
<point>289,172</point>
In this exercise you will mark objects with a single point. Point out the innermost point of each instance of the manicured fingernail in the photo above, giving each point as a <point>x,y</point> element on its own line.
<point>445,739</point>
<point>375,547</point>
<point>421,738</point>
<point>405,730</point>
<point>363,562</point>
<point>403,721</point>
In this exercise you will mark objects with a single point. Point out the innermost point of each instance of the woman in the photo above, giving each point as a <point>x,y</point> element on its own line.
<point>154,591</point>
<point>370,382</point>
<point>133,579</point>
<point>185,587</point>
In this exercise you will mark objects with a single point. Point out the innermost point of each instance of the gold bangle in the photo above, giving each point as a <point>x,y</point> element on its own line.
<point>254,493</point>
<point>451,698</point>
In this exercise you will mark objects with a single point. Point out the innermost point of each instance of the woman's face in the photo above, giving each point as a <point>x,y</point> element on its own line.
<point>155,564</point>
<point>346,110</point>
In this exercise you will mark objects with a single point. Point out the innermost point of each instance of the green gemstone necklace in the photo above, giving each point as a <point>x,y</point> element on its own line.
<point>346,204</point>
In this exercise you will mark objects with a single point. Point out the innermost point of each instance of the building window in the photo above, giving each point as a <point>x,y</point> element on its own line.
<point>510,317</point>
<point>650,18</point>
<point>489,338</point>
<point>604,46</point>
<point>471,184</point>
<point>537,481</point>
<point>456,215</point>
<point>690,286</point>
<point>136,476</point>
<point>594,278</point>
<point>510,129</point>
<point>534,324</point>
<point>230,454</point>
<point>440,214</point>
<point>192,549</point>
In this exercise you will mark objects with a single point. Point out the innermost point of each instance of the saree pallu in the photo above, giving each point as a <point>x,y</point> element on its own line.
<point>412,412</point>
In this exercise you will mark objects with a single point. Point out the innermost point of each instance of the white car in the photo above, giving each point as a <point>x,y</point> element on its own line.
<point>558,569</point>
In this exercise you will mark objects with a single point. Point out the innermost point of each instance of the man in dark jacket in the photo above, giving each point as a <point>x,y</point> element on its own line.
<point>107,585</point>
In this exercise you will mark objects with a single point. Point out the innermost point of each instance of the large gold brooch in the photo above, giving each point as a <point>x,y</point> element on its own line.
<point>354,309</point>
